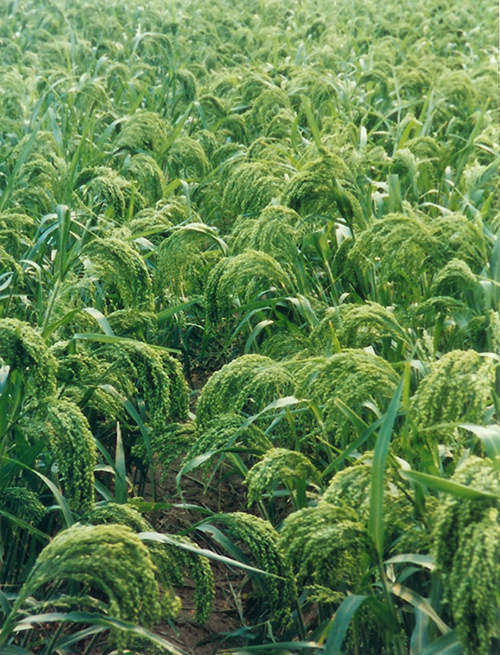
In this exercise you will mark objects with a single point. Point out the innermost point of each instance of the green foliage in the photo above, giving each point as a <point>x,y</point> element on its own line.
<point>314,182</point>
<point>224,432</point>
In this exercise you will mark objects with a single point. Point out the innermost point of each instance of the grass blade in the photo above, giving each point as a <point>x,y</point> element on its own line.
<point>376,518</point>
<point>448,486</point>
<point>341,621</point>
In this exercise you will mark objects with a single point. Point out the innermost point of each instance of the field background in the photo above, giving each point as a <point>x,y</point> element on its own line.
<point>249,329</point>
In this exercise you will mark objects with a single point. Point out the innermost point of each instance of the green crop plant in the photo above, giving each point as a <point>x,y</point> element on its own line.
<point>250,187</point>
<point>361,326</point>
<point>105,559</point>
<point>465,546</point>
<point>385,276</point>
<point>276,231</point>
<point>405,529</point>
<point>157,381</point>
<point>212,443</point>
<point>116,276</point>
<point>237,281</point>
<point>325,186</point>
<point>172,564</point>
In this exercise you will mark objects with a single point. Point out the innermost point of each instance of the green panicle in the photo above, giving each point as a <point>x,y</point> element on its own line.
<point>238,280</point>
<point>155,222</point>
<point>172,563</point>
<point>125,514</point>
<point>133,323</point>
<point>143,131</point>
<point>147,175</point>
<point>187,159</point>
<point>454,514</point>
<point>180,563</point>
<point>458,389</point>
<point>358,326</point>
<point>186,87</point>
<point>327,545</point>
<point>208,142</point>
<point>474,584</point>
<point>265,107</point>
<point>286,345</point>
<point>169,445</point>
<point>104,189</point>
<point>250,187</point>
<point>122,272</point>
<point>324,186</point>
<point>184,261</point>
<point>280,126</point>
<point>107,560</point>
<point>234,127</point>
<point>23,350</point>
<point>351,487</point>
<point>22,502</point>
<point>353,377</point>
<point>460,238</point>
<point>277,596</point>
<point>275,232</point>
<point>467,553</point>
<point>247,385</point>
<point>8,263</point>
<point>400,272</point>
<point>72,446</point>
<point>157,378</point>
<point>456,280</point>
<point>279,465</point>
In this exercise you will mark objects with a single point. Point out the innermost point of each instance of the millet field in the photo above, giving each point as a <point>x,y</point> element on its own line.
<point>249,327</point>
